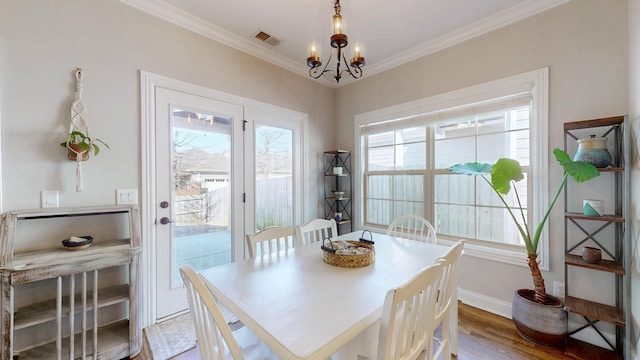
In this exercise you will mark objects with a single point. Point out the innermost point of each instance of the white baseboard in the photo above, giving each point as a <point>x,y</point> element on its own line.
<point>486,303</point>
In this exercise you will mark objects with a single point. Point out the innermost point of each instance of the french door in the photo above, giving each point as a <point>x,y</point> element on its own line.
<point>217,171</point>
<point>273,169</point>
<point>198,188</point>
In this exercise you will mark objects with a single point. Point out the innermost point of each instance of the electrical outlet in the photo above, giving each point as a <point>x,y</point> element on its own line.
<point>558,289</point>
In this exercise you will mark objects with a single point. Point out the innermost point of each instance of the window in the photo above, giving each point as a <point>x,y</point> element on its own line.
<point>466,206</point>
<point>395,173</point>
<point>405,151</point>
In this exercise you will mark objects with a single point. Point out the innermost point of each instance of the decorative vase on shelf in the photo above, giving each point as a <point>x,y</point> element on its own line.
<point>337,170</point>
<point>593,207</point>
<point>594,151</point>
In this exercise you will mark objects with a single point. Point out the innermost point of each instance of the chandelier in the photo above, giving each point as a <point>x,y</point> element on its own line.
<point>338,42</point>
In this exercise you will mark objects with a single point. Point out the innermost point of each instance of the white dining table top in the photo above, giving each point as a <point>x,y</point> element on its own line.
<point>304,308</point>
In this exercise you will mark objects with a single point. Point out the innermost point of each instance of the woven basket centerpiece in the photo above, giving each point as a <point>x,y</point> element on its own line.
<point>348,253</point>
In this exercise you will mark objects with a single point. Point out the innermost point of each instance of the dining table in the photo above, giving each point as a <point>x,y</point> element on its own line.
<point>304,308</point>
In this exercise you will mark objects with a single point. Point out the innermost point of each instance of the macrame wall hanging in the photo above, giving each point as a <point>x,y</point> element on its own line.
<point>78,131</point>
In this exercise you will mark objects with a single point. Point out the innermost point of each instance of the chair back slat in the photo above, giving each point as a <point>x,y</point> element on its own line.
<point>316,230</point>
<point>269,240</point>
<point>406,327</point>
<point>215,339</point>
<point>412,227</point>
<point>446,290</point>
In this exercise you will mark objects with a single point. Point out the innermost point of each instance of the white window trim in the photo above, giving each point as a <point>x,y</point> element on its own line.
<point>537,82</point>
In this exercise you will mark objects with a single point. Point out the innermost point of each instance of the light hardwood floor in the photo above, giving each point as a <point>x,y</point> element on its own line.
<point>482,335</point>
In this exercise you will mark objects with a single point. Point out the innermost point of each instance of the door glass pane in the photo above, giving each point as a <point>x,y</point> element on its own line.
<point>201,190</point>
<point>274,176</point>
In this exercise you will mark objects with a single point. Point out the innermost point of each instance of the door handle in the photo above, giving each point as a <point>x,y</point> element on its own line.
<point>165,220</point>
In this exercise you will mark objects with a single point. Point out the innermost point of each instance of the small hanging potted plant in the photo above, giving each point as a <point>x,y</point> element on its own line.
<point>538,316</point>
<point>80,144</point>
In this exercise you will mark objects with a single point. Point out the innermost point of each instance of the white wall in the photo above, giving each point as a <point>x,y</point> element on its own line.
<point>42,42</point>
<point>584,43</point>
<point>634,117</point>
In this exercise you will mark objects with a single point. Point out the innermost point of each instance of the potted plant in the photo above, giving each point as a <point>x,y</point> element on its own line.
<point>79,143</point>
<point>531,308</point>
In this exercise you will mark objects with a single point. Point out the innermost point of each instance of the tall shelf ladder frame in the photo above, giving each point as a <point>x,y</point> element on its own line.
<point>593,312</point>
<point>342,182</point>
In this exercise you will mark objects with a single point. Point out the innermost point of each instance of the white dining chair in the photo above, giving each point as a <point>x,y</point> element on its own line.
<point>316,230</point>
<point>215,338</point>
<point>412,227</point>
<point>446,291</point>
<point>408,313</point>
<point>270,239</point>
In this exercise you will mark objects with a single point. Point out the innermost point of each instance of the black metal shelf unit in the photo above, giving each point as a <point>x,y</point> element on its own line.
<point>590,314</point>
<point>338,185</point>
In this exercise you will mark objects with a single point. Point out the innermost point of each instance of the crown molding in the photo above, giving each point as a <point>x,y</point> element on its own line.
<point>193,23</point>
<point>486,25</point>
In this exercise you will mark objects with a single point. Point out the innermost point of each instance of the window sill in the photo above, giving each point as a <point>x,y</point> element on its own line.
<point>507,256</point>
<point>493,253</point>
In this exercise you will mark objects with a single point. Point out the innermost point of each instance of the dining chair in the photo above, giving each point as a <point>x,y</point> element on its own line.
<point>270,239</point>
<point>215,338</point>
<point>316,230</point>
<point>446,296</point>
<point>412,227</point>
<point>408,313</point>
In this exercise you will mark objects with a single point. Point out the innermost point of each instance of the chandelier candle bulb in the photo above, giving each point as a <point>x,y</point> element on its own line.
<point>337,24</point>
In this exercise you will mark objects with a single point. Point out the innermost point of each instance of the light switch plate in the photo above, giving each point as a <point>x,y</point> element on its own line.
<point>49,199</point>
<point>126,196</point>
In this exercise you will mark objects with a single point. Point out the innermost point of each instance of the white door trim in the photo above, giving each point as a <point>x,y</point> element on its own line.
<point>148,82</point>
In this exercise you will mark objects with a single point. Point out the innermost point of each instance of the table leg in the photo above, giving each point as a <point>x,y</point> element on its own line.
<point>453,318</point>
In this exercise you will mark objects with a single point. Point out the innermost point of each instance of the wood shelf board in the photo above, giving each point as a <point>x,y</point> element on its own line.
<point>581,350</point>
<point>60,262</point>
<point>70,211</point>
<point>606,218</point>
<point>335,152</point>
<point>113,343</point>
<point>602,265</point>
<point>46,311</point>
<point>587,124</point>
<point>63,255</point>
<point>611,169</point>
<point>594,310</point>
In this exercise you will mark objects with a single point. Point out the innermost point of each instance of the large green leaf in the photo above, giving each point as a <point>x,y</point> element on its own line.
<point>471,169</point>
<point>580,171</point>
<point>503,173</point>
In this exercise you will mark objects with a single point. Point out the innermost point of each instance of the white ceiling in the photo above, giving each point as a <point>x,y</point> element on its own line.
<point>389,33</point>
